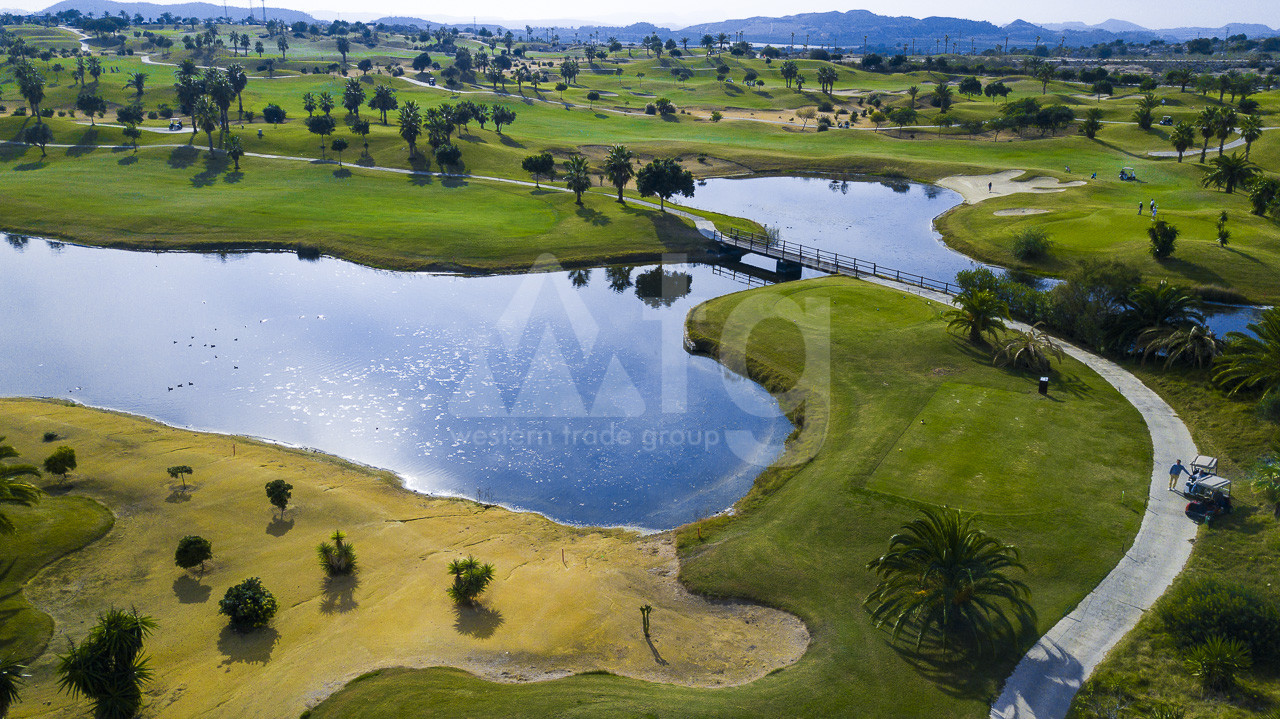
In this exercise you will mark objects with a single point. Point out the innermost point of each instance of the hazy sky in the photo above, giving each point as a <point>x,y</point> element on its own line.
<point>676,13</point>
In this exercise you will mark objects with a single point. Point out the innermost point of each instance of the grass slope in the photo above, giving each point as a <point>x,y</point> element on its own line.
<point>803,534</point>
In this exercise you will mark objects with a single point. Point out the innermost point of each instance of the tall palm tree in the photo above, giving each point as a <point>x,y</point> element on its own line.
<point>577,176</point>
<point>239,81</point>
<point>383,100</point>
<point>1207,124</point>
<point>1250,130</point>
<point>137,81</point>
<point>1226,124</point>
<point>913,91</point>
<point>944,579</point>
<point>1250,361</point>
<point>410,122</point>
<point>205,116</point>
<point>618,167</point>
<point>1182,137</point>
<point>1229,171</point>
<point>979,313</point>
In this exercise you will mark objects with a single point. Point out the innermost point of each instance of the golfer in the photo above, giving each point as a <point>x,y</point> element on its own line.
<point>1176,471</point>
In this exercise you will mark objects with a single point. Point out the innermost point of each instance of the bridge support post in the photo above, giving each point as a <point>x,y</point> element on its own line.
<point>789,270</point>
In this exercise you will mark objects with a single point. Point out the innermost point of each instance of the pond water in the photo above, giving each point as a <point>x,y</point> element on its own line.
<point>566,393</point>
<point>889,222</point>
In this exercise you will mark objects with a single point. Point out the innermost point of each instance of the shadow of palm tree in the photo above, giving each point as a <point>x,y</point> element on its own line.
<point>128,160</point>
<point>509,142</point>
<point>189,590</point>
<point>476,620</point>
<point>183,157</point>
<point>339,594</point>
<point>233,177</point>
<point>29,166</point>
<point>656,656</point>
<point>214,165</point>
<point>251,647</point>
<point>342,173</point>
<point>595,217</point>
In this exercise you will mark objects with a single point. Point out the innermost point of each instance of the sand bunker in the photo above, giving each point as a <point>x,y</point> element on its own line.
<point>1018,212</point>
<point>976,188</point>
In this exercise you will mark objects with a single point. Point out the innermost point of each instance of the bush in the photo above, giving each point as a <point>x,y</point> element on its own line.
<point>50,436</point>
<point>153,115</point>
<point>650,109</point>
<point>1216,662</point>
<point>448,154</point>
<point>20,112</point>
<point>166,112</point>
<point>248,604</point>
<point>1269,405</point>
<point>716,116</point>
<point>1197,610</point>
<point>1032,244</point>
<point>469,579</point>
<point>339,558</point>
<point>825,106</point>
<point>192,551</point>
<point>249,115</point>
<point>273,114</point>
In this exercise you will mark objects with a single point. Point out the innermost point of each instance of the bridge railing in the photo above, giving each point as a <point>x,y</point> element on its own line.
<point>826,261</point>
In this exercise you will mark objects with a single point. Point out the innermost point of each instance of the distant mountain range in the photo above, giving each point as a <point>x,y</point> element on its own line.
<point>852,29</point>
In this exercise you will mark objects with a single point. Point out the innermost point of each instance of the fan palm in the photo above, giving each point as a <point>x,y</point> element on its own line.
<point>13,489</point>
<point>1226,172</point>
<point>470,577</point>
<point>1163,306</point>
<point>1250,131</point>
<point>577,176</point>
<point>11,680</point>
<point>1249,361</point>
<point>1207,124</point>
<point>1183,137</point>
<point>1032,349</point>
<point>618,167</point>
<point>944,579</point>
<point>978,313</point>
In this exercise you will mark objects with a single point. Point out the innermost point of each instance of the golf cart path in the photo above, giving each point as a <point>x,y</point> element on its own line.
<point>1049,675</point>
<point>1238,142</point>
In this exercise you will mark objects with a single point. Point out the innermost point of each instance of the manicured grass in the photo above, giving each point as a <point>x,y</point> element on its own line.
<point>803,534</point>
<point>1146,669</point>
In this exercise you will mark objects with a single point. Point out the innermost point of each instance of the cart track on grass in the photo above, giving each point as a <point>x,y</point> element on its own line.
<point>1047,678</point>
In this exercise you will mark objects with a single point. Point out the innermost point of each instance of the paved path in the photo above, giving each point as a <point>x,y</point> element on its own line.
<point>1195,151</point>
<point>1044,683</point>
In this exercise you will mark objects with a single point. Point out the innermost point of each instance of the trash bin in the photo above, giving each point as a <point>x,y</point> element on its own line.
<point>1044,386</point>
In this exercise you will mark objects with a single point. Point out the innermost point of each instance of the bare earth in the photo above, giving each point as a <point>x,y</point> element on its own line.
<point>541,618</point>
<point>974,187</point>
<point>1019,212</point>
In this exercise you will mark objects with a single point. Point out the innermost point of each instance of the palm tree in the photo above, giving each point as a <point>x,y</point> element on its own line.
<point>11,680</point>
<point>13,489</point>
<point>1045,74</point>
<point>1250,130</point>
<point>1207,124</point>
<point>410,122</point>
<point>1164,306</point>
<point>235,150</point>
<point>1226,123</point>
<point>383,100</point>
<point>1183,137</point>
<point>978,313</point>
<point>309,103</point>
<point>913,91</point>
<point>204,116</point>
<point>827,79</point>
<point>1196,345</point>
<point>325,102</point>
<point>944,579</point>
<point>469,579</point>
<point>239,81</point>
<point>1145,112</point>
<point>1228,171</point>
<point>1249,361</point>
<point>1032,349</point>
<point>577,176</point>
<point>138,82</point>
<point>1162,235</point>
<point>618,167</point>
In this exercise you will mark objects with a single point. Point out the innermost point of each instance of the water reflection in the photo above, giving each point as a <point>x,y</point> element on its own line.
<point>568,393</point>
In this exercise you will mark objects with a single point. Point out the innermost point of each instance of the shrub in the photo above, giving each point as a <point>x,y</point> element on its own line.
<point>1217,661</point>
<point>166,112</point>
<point>20,112</point>
<point>825,106</point>
<point>153,115</point>
<point>1031,244</point>
<point>1269,405</point>
<point>650,109</point>
<point>248,604</point>
<point>448,154</point>
<point>249,115</point>
<point>338,558</point>
<point>469,579</point>
<point>1196,610</point>
<point>273,114</point>
<point>716,116</point>
<point>192,551</point>
<point>1163,235</point>
<point>50,436</point>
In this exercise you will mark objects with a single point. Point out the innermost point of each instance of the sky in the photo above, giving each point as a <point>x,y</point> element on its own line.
<point>680,13</point>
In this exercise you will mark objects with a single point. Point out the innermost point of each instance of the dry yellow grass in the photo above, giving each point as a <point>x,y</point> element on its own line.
<point>541,617</point>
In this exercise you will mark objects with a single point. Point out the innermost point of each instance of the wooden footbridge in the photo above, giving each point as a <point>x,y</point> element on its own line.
<point>791,257</point>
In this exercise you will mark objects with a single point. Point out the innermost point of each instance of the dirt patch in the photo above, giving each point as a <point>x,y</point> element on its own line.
<point>564,600</point>
<point>1019,212</point>
<point>976,188</point>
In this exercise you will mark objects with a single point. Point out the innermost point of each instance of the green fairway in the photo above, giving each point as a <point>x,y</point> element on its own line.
<point>802,535</point>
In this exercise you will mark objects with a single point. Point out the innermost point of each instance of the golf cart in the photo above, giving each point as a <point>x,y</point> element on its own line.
<point>1166,121</point>
<point>175,124</point>
<point>1127,174</point>
<point>1209,493</point>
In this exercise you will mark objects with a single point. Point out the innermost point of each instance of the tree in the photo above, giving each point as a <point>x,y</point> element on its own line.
<point>107,667</point>
<point>1032,349</point>
<point>1195,345</point>
<point>1251,361</point>
<point>1250,131</point>
<point>806,114</point>
<point>365,66</point>
<point>902,116</point>
<point>1182,137</point>
<point>996,89</point>
<point>273,114</point>
<point>1092,122</point>
<point>665,178</point>
<point>979,313</point>
<point>235,150</point>
<point>361,128</point>
<point>204,116</point>
<point>539,166</point>
<point>279,492</point>
<point>1263,192</point>
<point>137,81</point>
<point>448,155</point>
<point>12,678</point>
<point>592,97</point>
<point>421,62</point>
<point>1229,171</point>
<point>339,144</point>
<point>1145,114</point>
<point>353,96</point>
<point>943,580</point>
<point>339,558</point>
<point>1163,235</point>
<point>38,134</point>
<point>383,100</point>
<point>239,81</point>
<point>577,176</point>
<point>193,551</point>
<point>1162,307</point>
<point>62,462</point>
<point>248,605</point>
<point>1226,123</point>
<point>502,115</point>
<point>14,489</point>
<point>325,102</point>
<point>344,47</point>
<point>942,96</point>
<point>1045,74</point>
<point>618,167</point>
<point>410,122</point>
<point>789,71</point>
<point>827,79</point>
<point>1207,124</point>
<point>283,44</point>
<point>91,105</point>
<point>469,579</point>
<point>180,472</point>
<point>878,118</point>
<point>95,68</point>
